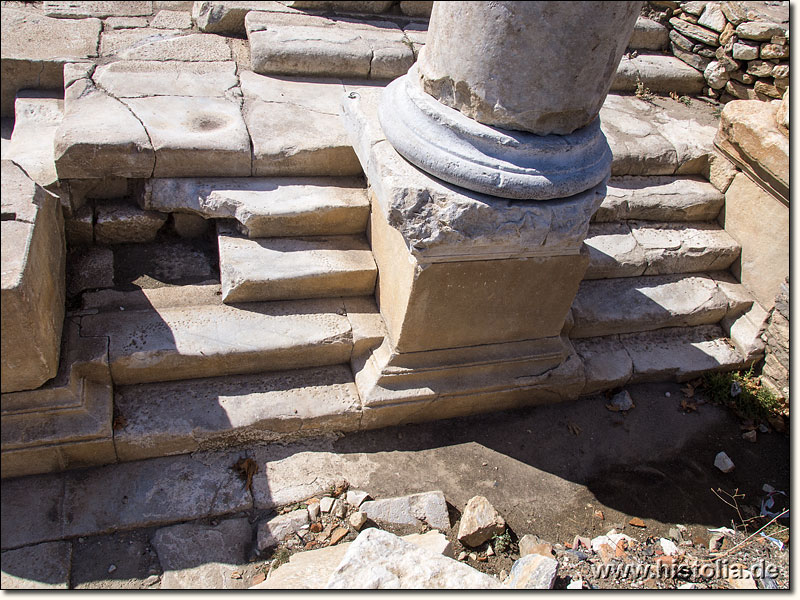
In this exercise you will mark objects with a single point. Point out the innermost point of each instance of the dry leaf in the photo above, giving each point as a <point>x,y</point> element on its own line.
<point>688,391</point>
<point>246,468</point>
<point>687,406</point>
<point>574,429</point>
<point>637,522</point>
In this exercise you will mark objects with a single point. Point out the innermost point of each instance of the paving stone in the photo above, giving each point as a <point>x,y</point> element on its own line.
<point>264,269</point>
<point>152,492</point>
<point>111,23</point>
<point>267,207</point>
<point>428,508</point>
<point>185,342</point>
<point>35,48</point>
<point>273,531</point>
<point>680,353</point>
<point>32,510</point>
<point>196,556</point>
<point>227,16</point>
<point>194,136</point>
<point>533,572</point>
<point>186,416</point>
<point>479,522</point>
<point>79,10</point>
<point>33,288</point>
<point>295,127</point>
<point>37,117</point>
<point>660,198</point>
<point>605,361</point>
<point>39,567</point>
<point>129,551</point>
<point>172,19</point>
<point>627,305</point>
<point>613,252</point>
<point>164,44</point>
<point>90,268</point>
<point>135,78</point>
<point>121,222</point>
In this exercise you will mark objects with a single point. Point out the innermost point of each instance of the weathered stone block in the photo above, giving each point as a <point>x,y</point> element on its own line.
<point>39,567</point>
<point>120,223</point>
<point>34,251</point>
<point>97,8</point>
<point>428,508</point>
<point>37,116</point>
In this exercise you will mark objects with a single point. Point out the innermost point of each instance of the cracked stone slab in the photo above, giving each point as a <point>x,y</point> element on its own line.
<point>172,19</point>
<point>631,304</point>
<point>194,136</point>
<point>40,567</point>
<point>282,268</point>
<point>196,556</point>
<point>206,341</point>
<point>309,45</point>
<point>613,252</point>
<point>152,492</point>
<point>100,137</point>
<point>97,8</point>
<point>680,353</point>
<point>267,207</point>
<point>35,48</point>
<point>605,362</point>
<point>164,44</point>
<point>37,116</point>
<point>227,16</point>
<point>40,495</point>
<point>660,198</point>
<point>672,248</point>
<point>659,73</point>
<point>187,416</point>
<point>295,127</point>
<point>427,508</point>
<point>135,78</point>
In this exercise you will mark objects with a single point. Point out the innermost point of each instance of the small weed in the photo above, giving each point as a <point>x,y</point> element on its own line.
<point>502,543</point>
<point>743,393</point>
<point>682,99</point>
<point>280,557</point>
<point>643,93</point>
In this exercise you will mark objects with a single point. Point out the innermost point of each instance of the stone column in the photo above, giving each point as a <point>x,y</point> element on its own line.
<point>479,244</point>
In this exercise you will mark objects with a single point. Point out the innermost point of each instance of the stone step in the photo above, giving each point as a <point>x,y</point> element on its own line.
<point>173,341</point>
<point>658,73</point>
<point>648,35</point>
<point>660,198</point>
<point>677,354</point>
<point>631,249</point>
<point>284,268</point>
<point>181,417</point>
<point>267,206</point>
<point>638,304</point>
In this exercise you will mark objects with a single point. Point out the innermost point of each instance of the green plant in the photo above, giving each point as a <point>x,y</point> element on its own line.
<point>642,92</point>
<point>502,542</point>
<point>743,393</point>
<point>281,556</point>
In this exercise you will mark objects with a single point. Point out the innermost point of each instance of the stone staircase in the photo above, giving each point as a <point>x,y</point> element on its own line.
<point>261,347</point>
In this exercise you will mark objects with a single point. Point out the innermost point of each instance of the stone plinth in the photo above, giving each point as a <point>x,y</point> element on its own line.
<point>33,281</point>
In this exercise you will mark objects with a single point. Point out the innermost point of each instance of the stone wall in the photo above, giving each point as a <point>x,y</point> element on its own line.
<point>742,48</point>
<point>776,336</point>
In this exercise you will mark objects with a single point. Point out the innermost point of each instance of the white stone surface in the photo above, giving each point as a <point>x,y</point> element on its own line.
<point>135,79</point>
<point>36,121</point>
<point>428,508</point>
<point>277,529</point>
<point>533,572</point>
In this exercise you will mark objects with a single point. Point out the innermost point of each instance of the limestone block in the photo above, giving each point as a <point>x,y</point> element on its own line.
<point>265,407</point>
<point>35,49</point>
<point>659,73</point>
<point>746,332</point>
<point>692,140</point>
<point>225,16</point>
<point>378,559</point>
<point>608,306</point>
<point>33,281</point>
<point>606,363</point>
<point>172,19</point>
<point>734,12</point>
<point>713,17</point>
<point>659,198</point>
<point>189,226</point>
<point>286,268</point>
<point>695,32</point>
<point>194,136</point>
<point>120,223</point>
<point>690,58</point>
<point>39,567</point>
<point>782,114</point>
<point>135,79</point>
<point>99,8</point>
<point>533,572</point>
<point>760,224</point>
<point>112,23</point>
<point>613,252</point>
<point>369,330</point>
<point>716,75</point>
<point>670,248</point>
<point>760,30</point>
<point>90,268</point>
<point>760,68</point>
<point>648,35</point>
<point>176,343</point>
<point>100,136</point>
<point>416,8</point>
<point>79,228</point>
<point>721,171</point>
<point>295,127</point>
<point>749,134</point>
<point>428,508</point>
<point>479,522</point>
<point>368,6</point>
<point>741,91</point>
<point>273,531</point>
<point>37,117</point>
<point>311,569</point>
<point>267,207</point>
<point>743,50</point>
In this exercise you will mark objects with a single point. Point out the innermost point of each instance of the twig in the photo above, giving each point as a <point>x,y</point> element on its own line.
<point>775,518</point>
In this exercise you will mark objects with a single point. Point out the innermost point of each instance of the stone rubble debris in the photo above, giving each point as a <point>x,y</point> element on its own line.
<point>479,522</point>
<point>724,463</point>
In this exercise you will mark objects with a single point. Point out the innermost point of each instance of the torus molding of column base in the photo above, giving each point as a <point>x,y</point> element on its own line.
<point>499,162</point>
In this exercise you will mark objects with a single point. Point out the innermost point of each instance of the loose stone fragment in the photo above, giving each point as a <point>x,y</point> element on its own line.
<point>119,223</point>
<point>533,572</point>
<point>356,497</point>
<point>427,508</point>
<point>326,503</point>
<point>745,50</point>
<point>723,462</point>
<point>713,17</point>
<point>531,544</point>
<point>479,522</point>
<point>357,520</point>
<point>275,530</point>
<point>716,75</point>
<point>759,30</point>
<point>621,402</point>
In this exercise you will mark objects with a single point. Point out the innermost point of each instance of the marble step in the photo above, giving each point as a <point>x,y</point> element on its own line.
<point>172,337</point>
<point>267,206</point>
<point>632,248</point>
<point>284,268</point>
<point>672,354</point>
<point>637,304</point>
<point>660,198</point>
<point>659,73</point>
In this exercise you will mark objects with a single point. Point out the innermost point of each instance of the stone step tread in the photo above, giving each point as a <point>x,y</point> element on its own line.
<point>267,206</point>
<point>662,198</point>
<point>658,73</point>
<point>637,304</point>
<point>180,417</point>
<point>648,35</point>
<point>632,248</point>
<point>678,353</point>
<point>286,268</point>
<point>185,342</point>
